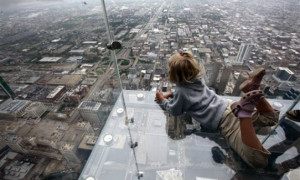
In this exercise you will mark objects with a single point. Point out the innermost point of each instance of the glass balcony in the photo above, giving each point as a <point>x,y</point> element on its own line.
<point>86,109</point>
<point>164,151</point>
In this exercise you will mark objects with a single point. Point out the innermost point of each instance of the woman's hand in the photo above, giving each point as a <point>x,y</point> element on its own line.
<point>159,96</point>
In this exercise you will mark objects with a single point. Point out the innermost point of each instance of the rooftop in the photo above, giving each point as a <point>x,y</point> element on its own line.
<point>88,105</point>
<point>13,106</point>
<point>55,91</point>
<point>88,142</point>
<point>50,59</point>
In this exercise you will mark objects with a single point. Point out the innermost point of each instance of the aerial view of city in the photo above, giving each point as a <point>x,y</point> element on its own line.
<point>63,86</point>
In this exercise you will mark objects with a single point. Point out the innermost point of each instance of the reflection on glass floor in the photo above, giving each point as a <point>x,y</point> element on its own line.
<point>188,157</point>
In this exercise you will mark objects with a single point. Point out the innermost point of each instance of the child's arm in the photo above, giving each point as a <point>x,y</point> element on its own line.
<point>174,106</point>
<point>168,95</point>
<point>160,97</point>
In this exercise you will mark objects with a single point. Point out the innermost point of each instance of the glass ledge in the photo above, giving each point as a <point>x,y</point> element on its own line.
<point>160,157</point>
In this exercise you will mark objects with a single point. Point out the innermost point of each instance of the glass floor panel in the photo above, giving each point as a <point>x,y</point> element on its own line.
<point>184,157</point>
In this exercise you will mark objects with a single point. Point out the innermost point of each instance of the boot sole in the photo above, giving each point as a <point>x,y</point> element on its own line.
<point>291,117</point>
<point>246,86</point>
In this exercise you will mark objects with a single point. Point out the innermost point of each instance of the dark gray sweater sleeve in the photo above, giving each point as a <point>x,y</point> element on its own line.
<point>175,105</point>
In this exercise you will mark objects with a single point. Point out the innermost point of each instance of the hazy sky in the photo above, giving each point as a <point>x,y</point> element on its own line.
<point>12,2</point>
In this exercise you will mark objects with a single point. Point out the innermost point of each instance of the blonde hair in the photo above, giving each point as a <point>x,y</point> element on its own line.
<point>183,68</point>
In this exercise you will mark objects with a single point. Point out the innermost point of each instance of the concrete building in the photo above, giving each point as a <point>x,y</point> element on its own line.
<point>50,59</point>
<point>91,112</point>
<point>135,84</point>
<point>146,80</point>
<point>105,96</point>
<point>84,126</point>
<point>13,109</point>
<point>227,70</point>
<point>14,142</point>
<point>165,86</point>
<point>15,169</point>
<point>243,54</point>
<point>35,110</point>
<point>87,143</point>
<point>204,51</point>
<point>76,95</point>
<point>242,77</point>
<point>77,51</point>
<point>53,95</point>
<point>69,153</point>
<point>68,80</point>
<point>284,73</point>
<point>215,73</point>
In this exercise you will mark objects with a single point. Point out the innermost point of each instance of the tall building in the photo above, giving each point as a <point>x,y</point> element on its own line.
<point>243,54</point>
<point>69,153</point>
<point>75,95</point>
<point>195,51</point>
<point>215,73</point>
<point>14,142</point>
<point>284,73</point>
<point>224,78</point>
<point>56,93</point>
<point>5,89</point>
<point>242,77</point>
<point>91,112</point>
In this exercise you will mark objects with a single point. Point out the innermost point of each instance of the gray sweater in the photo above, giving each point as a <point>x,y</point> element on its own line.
<point>201,103</point>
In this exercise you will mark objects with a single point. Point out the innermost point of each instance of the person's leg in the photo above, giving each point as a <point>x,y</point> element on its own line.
<point>243,110</point>
<point>231,130</point>
<point>248,134</point>
<point>264,106</point>
<point>265,115</point>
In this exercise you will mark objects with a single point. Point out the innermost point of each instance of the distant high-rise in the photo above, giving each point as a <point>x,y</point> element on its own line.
<point>243,54</point>
<point>284,73</point>
<point>91,112</point>
<point>242,77</point>
<point>14,142</point>
<point>224,78</point>
<point>215,73</point>
<point>6,89</point>
<point>69,153</point>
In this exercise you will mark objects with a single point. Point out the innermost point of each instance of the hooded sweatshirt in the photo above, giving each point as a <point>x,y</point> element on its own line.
<point>197,100</point>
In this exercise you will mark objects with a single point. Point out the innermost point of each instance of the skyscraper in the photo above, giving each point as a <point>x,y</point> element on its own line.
<point>242,77</point>
<point>91,112</point>
<point>284,73</point>
<point>224,78</point>
<point>215,73</point>
<point>243,54</point>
